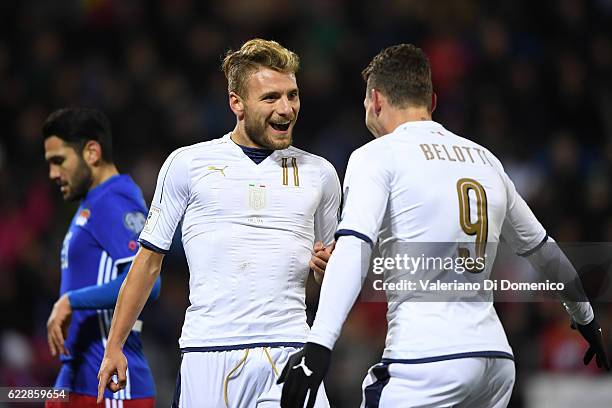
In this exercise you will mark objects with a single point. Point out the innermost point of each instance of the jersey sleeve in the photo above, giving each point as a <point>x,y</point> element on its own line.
<point>326,215</point>
<point>168,205</point>
<point>115,224</point>
<point>521,229</point>
<point>365,195</point>
<point>105,296</point>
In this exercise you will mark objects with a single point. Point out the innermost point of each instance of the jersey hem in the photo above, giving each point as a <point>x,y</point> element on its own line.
<point>432,359</point>
<point>152,247</point>
<point>240,347</point>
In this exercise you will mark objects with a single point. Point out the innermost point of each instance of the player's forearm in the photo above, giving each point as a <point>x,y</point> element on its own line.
<point>551,262</point>
<point>343,280</point>
<point>104,296</point>
<point>133,295</point>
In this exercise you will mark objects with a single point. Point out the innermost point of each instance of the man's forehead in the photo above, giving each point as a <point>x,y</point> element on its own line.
<point>54,146</point>
<point>268,79</point>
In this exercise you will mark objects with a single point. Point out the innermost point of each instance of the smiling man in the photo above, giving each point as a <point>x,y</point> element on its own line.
<point>251,206</point>
<point>96,254</point>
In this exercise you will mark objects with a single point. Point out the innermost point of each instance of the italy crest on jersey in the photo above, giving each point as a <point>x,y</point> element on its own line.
<point>257,196</point>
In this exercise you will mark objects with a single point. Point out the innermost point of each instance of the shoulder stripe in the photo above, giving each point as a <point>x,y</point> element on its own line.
<point>179,151</point>
<point>161,194</point>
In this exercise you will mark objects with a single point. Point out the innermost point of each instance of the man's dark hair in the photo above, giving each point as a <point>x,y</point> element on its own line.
<point>77,126</point>
<point>402,73</point>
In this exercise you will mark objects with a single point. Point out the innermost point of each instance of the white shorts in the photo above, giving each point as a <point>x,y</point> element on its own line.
<point>244,378</point>
<point>476,382</point>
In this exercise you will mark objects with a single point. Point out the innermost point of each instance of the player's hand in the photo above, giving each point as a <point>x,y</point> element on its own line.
<point>58,324</point>
<point>319,259</point>
<point>113,363</point>
<point>304,372</point>
<point>593,335</point>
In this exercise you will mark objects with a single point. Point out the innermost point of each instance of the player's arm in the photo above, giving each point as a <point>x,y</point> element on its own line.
<point>523,231</point>
<point>167,208</point>
<point>552,263</point>
<point>364,208</point>
<point>325,220</point>
<point>90,297</point>
<point>132,297</point>
<point>105,296</point>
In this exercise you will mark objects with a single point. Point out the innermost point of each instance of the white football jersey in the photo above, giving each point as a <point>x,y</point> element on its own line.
<point>248,230</point>
<point>423,184</point>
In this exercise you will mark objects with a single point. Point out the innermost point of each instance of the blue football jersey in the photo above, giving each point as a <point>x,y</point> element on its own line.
<point>100,243</point>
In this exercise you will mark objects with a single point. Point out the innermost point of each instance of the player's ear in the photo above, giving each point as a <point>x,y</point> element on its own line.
<point>92,152</point>
<point>236,105</point>
<point>377,100</point>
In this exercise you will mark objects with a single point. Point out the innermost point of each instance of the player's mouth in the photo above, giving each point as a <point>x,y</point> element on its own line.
<point>280,126</point>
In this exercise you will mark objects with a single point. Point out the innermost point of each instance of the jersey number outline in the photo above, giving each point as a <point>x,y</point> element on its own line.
<point>480,227</point>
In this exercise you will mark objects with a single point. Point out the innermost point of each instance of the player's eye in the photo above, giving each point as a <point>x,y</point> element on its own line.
<point>56,160</point>
<point>270,97</point>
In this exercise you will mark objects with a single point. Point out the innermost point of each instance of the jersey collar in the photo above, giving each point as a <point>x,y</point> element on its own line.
<point>418,124</point>
<point>102,187</point>
<point>241,149</point>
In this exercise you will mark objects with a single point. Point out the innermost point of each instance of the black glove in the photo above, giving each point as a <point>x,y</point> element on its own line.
<point>304,371</point>
<point>593,335</point>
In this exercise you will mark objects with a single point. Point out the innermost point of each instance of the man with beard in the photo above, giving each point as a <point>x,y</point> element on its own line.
<point>97,251</point>
<point>251,206</point>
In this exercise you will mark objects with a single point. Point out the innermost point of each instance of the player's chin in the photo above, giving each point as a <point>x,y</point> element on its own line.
<point>280,139</point>
<point>67,194</point>
<point>70,196</point>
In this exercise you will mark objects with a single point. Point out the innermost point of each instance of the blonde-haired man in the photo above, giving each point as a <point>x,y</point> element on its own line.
<point>251,207</point>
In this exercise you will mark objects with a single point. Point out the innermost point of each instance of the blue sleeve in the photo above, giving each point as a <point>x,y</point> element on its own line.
<point>105,296</point>
<point>116,223</point>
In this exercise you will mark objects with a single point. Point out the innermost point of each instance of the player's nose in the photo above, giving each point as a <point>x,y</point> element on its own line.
<point>54,173</point>
<point>284,107</point>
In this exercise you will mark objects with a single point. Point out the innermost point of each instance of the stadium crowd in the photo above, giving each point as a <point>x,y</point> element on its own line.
<point>529,80</point>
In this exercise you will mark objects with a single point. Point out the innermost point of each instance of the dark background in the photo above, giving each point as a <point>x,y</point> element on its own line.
<point>529,80</point>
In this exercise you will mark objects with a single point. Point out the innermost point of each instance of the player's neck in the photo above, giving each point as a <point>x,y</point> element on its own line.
<point>240,137</point>
<point>410,114</point>
<point>103,173</point>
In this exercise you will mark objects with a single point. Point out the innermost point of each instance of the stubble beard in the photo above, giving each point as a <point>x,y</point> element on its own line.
<point>256,131</point>
<point>81,182</point>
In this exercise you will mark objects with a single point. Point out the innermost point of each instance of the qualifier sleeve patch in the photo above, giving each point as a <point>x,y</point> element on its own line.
<point>152,219</point>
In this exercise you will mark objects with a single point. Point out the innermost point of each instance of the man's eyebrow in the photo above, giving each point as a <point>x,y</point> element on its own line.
<point>53,157</point>
<point>278,93</point>
<point>270,93</point>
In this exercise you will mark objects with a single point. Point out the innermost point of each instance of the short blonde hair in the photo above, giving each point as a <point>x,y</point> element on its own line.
<point>254,54</point>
